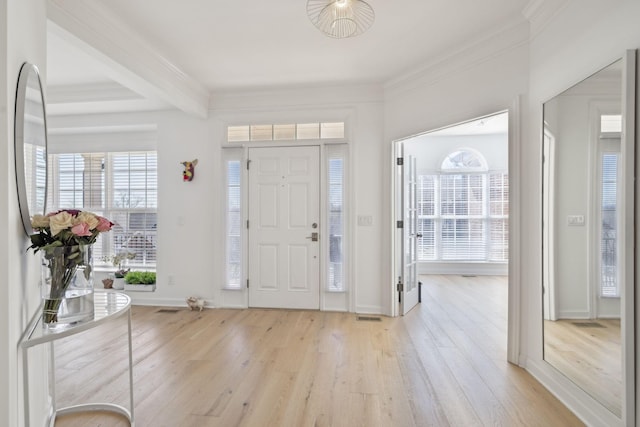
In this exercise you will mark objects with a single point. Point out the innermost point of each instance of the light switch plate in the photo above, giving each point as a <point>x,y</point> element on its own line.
<point>365,220</point>
<point>575,220</point>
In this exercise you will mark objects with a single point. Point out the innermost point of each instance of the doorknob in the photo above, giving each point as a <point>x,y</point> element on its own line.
<point>313,237</point>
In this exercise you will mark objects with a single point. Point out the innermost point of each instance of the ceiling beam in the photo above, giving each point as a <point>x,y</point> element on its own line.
<point>127,58</point>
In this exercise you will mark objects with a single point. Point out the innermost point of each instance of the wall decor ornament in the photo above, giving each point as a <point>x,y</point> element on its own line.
<point>64,239</point>
<point>189,169</point>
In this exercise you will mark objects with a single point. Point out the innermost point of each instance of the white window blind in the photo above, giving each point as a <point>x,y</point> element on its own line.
<point>286,132</point>
<point>122,187</point>
<point>336,223</point>
<point>498,217</point>
<point>35,178</point>
<point>427,202</point>
<point>463,212</point>
<point>609,226</point>
<point>234,225</point>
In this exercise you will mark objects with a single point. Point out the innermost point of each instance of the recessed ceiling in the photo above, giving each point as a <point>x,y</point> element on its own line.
<point>255,44</point>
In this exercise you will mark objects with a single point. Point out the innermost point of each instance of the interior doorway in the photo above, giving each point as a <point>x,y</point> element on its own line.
<point>461,193</point>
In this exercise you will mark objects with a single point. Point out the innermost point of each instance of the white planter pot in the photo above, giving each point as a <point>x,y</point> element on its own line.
<point>139,288</point>
<point>118,283</point>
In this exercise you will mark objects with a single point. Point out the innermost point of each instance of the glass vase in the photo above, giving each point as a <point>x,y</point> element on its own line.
<point>67,285</point>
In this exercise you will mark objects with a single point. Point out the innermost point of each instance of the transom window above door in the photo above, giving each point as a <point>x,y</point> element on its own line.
<point>285,132</point>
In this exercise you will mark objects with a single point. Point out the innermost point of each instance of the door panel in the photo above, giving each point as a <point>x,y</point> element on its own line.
<point>410,279</point>
<point>284,269</point>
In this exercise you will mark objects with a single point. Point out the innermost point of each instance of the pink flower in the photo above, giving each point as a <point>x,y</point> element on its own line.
<point>104,224</point>
<point>81,229</point>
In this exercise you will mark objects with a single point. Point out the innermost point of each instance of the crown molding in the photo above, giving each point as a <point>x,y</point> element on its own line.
<point>540,12</point>
<point>94,98</point>
<point>127,58</point>
<point>103,91</point>
<point>480,50</point>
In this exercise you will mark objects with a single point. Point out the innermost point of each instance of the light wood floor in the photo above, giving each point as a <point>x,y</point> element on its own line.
<point>589,355</point>
<point>443,364</point>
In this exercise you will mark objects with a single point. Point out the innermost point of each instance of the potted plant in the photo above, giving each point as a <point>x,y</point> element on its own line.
<point>117,260</point>
<point>140,281</point>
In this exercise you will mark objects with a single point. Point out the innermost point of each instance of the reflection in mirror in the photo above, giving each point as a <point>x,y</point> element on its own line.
<point>583,207</point>
<point>30,139</point>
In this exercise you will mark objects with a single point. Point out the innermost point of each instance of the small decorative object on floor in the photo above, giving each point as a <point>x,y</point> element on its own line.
<point>195,303</point>
<point>64,239</point>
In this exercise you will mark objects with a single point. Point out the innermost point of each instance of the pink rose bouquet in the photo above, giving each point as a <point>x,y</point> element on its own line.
<point>64,237</point>
<point>67,227</point>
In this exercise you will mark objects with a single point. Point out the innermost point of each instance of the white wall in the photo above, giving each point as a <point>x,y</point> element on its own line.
<point>22,38</point>
<point>191,235</point>
<point>583,38</point>
<point>469,89</point>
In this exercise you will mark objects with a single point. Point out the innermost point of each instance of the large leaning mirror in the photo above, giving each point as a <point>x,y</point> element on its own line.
<point>30,139</point>
<point>587,260</point>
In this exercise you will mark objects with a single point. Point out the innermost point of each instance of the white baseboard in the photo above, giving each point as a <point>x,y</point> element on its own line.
<point>479,269</point>
<point>589,410</point>
<point>369,309</point>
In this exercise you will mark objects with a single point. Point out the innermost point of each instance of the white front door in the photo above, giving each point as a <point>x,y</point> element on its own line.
<point>284,264</point>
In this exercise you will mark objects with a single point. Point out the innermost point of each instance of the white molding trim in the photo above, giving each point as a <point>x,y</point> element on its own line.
<point>104,91</point>
<point>463,268</point>
<point>468,56</point>
<point>540,12</point>
<point>369,309</point>
<point>514,305</point>
<point>589,410</point>
<point>128,59</point>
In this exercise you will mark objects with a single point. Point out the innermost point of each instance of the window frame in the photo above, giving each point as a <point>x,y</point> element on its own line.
<point>105,244</point>
<point>439,216</point>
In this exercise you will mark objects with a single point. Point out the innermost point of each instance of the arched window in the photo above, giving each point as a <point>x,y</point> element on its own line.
<point>464,160</point>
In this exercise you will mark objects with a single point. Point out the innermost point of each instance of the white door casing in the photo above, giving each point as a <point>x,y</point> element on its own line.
<point>284,264</point>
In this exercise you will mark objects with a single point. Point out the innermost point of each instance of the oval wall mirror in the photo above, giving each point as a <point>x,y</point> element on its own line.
<point>30,141</point>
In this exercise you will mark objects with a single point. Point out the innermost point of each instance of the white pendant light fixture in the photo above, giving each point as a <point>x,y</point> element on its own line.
<point>341,18</point>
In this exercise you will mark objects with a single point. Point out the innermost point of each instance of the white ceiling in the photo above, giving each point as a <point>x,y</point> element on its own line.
<point>258,44</point>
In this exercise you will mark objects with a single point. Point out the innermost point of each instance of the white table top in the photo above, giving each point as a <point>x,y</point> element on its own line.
<point>107,305</point>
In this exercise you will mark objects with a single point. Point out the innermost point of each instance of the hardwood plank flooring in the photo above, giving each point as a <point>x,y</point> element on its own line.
<point>589,353</point>
<point>444,364</point>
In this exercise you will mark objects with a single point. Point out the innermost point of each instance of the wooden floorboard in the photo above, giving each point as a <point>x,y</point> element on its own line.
<point>443,364</point>
<point>589,355</point>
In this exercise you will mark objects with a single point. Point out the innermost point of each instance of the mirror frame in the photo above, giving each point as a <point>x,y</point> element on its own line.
<point>26,70</point>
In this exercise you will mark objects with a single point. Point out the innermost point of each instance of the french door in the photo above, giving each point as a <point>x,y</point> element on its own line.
<point>407,216</point>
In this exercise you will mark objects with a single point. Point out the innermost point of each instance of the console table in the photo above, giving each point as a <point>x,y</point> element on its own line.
<point>108,306</point>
